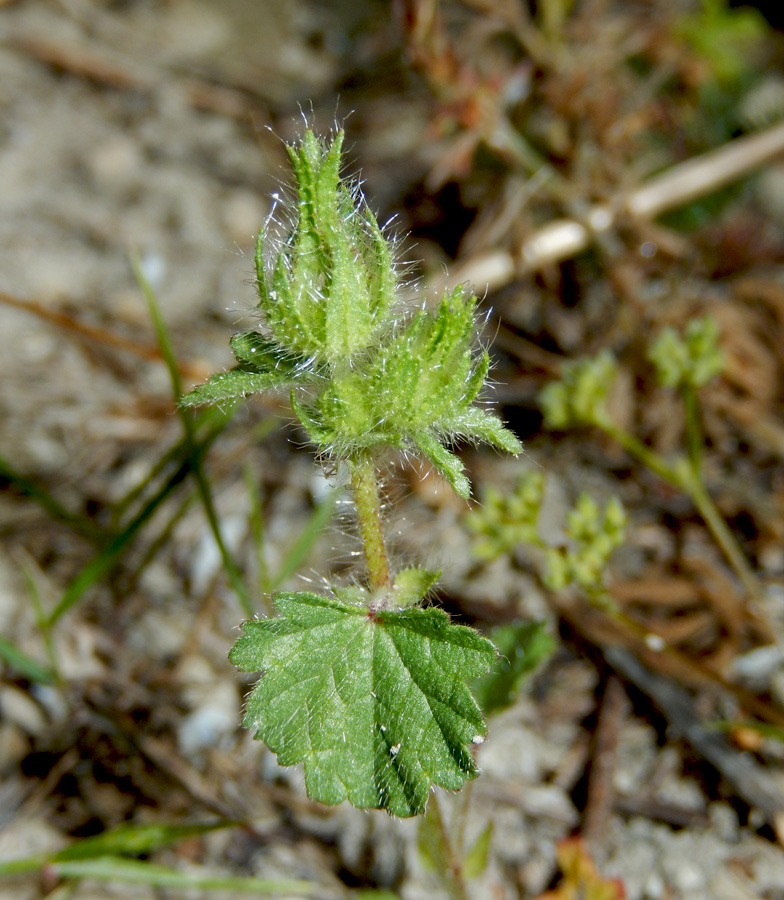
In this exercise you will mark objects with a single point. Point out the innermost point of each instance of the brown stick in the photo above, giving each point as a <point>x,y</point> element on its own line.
<point>100,335</point>
<point>104,68</point>
<point>601,793</point>
<point>755,784</point>
<point>682,183</point>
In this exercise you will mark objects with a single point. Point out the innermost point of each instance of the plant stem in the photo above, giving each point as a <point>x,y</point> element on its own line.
<point>635,447</point>
<point>694,437</point>
<point>687,477</point>
<point>455,881</point>
<point>364,483</point>
<point>722,534</point>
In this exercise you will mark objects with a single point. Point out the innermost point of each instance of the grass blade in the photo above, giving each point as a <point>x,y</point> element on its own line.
<point>212,421</point>
<point>108,558</point>
<point>29,487</point>
<point>136,838</point>
<point>131,871</point>
<point>300,549</point>
<point>258,534</point>
<point>25,665</point>
<point>105,561</point>
<point>167,350</point>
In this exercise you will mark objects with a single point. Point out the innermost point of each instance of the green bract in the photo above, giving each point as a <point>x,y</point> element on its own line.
<point>373,702</point>
<point>330,288</point>
<point>332,324</point>
<point>414,391</point>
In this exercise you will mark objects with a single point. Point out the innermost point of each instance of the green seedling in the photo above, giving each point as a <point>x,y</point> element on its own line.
<point>724,40</point>
<point>691,360</point>
<point>592,535</point>
<point>685,363</point>
<point>366,685</point>
<point>505,521</point>
<point>444,851</point>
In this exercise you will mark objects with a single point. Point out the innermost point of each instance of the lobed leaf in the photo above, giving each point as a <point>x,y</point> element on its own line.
<point>445,462</point>
<point>480,425</point>
<point>232,385</point>
<point>522,646</point>
<point>373,702</point>
<point>261,367</point>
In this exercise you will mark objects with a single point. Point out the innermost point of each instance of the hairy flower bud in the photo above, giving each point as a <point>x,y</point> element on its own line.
<point>328,286</point>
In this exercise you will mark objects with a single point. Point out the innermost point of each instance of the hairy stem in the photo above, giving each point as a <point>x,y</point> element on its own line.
<point>364,483</point>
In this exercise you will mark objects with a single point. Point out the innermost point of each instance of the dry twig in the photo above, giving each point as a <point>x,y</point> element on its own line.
<point>679,185</point>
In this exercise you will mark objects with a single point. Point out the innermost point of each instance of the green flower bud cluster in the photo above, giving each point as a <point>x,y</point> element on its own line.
<point>691,360</point>
<point>334,325</point>
<point>506,520</point>
<point>593,534</point>
<point>580,397</point>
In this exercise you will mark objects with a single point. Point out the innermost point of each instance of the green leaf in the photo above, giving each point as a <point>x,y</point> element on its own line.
<point>262,366</point>
<point>411,585</point>
<point>522,647</point>
<point>475,861</point>
<point>373,701</point>
<point>25,665</point>
<point>445,462</point>
<point>233,385</point>
<point>132,871</point>
<point>479,425</point>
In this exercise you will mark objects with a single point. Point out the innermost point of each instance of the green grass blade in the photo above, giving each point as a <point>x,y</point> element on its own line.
<point>24,664</point>
<point>257,529</point>
<point>159,541</point>
<point>108,558</point>
<point>29,487</point>
<point>41,617</point>
<point>22,866</point>
<point>164,340</point>
<point>300,549</point>
<point>161,331</point>
<point>136,838</point>
<point>131,871</point>
<point>212,421</point>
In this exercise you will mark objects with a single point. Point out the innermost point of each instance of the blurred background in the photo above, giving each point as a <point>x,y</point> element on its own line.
<point>532,149</point>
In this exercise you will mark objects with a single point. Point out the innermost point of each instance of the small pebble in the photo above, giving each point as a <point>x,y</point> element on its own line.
<point>19,708</point>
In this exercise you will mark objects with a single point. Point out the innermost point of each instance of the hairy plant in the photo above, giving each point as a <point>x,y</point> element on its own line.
<point>685,363</point>
<point>365,685</point>
<point>591,535</point>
